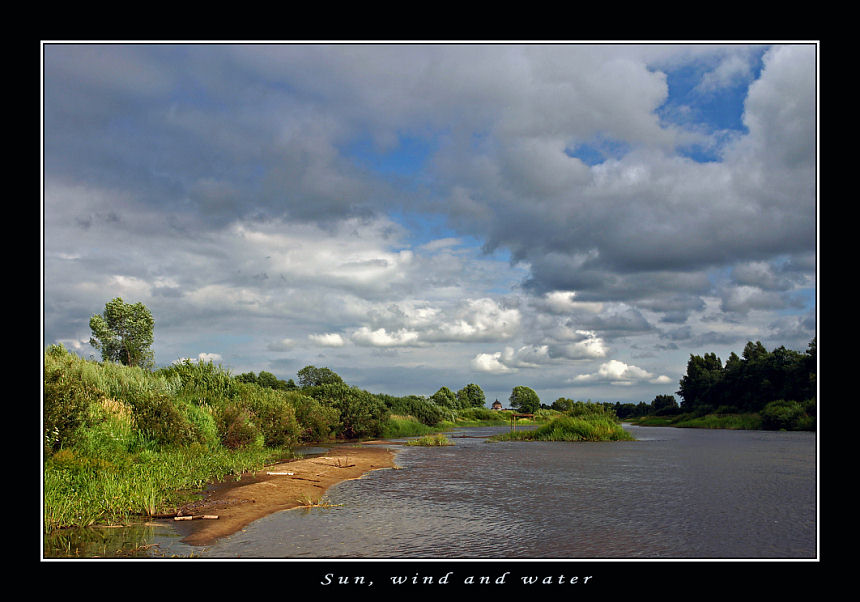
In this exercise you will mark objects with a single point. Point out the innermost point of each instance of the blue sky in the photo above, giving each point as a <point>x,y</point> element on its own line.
<point>575,218</point>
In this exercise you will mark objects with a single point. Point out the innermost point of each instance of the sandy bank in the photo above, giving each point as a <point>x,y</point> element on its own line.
<point>239,503</point>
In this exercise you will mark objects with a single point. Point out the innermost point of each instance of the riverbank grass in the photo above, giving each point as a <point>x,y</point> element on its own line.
<point>571,428</point>
<point>436,440</point>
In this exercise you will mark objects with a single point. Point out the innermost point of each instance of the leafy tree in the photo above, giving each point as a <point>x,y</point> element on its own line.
<point>471,396</point>
<point>524,399</point>
<point>562,404</point>
<point>124,333</point>
<point>664,404</point>
<point>445,398</point>
<point>311,376</point>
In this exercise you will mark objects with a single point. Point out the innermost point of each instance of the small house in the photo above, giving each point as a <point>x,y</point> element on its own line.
<point>497,405</point>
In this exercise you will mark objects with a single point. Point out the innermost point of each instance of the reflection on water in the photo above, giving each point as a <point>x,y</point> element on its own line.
<point>673,493</point>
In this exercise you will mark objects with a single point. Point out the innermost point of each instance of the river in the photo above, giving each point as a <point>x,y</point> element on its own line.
<point>671,494</point>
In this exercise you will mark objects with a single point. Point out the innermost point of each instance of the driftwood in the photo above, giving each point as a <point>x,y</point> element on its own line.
<point>280,473</point>
<point>199,516</point>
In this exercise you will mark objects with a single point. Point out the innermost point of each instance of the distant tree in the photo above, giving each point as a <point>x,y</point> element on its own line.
<point>664,404</point>
<point>703,375</point>
<point>445,398</point>
<point>471,396</point>
<point>247,377</point>
<point>562,404</point>
<point>524,399</point>
<point>124,333</point>
<point>311,376</point>
<point>267,379</point>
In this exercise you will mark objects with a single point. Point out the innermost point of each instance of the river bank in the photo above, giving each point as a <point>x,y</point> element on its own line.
<point>282,486</point>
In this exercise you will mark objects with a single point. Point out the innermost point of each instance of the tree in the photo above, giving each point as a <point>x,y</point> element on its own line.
<point>124,333</point>
<point>524,399</point>
<point>471,396</point>
<point>445,398</point>
<point>311,376</point>
<point>664,404</point>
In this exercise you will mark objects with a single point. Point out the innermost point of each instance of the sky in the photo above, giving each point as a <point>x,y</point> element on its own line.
<point>576,218</point>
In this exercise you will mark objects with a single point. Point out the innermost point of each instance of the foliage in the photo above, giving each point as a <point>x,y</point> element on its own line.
<point>361,414</point>
<point>482,414</point>
<point>67,401</point>
<point>311,376</point>
<point>436,440</point>
<point>318,422</point>
<point>471,396</point>
<point>446,398</point>
<point>421,408</point>
<point>124,333</point>
<point>523,399</point>
<point>785,415</point>
<point>570,428</point>
<point>749,382</point>
<point>397,427</point>
<point>272,413</point>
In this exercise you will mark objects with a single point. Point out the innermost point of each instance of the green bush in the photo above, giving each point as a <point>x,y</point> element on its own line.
<point>360,414</point>
<point>317,422</point>
<point>272,413</point>
<point>66,404</point>
<point>426,411</point>
<point>160,419</point>
<point>783,415</point>
<point>235,426</point>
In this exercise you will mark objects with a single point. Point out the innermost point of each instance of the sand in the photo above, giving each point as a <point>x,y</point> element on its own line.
<point>283,486</point>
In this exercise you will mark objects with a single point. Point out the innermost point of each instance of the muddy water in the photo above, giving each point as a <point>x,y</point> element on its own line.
<point>673,493</point>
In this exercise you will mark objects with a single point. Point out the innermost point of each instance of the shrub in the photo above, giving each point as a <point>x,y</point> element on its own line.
<point>235,427</point>
<point>426,411</point>
<point>782,415</point>
<point>272,413</point>
<point>160,419</point>
<point>317,422</point>
<point>66,404</point>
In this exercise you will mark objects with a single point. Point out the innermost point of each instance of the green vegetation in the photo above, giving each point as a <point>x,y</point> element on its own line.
<point>592,427</point>
<point>524,399</point>
<point>124,440</point>
<point>771,390</point>
<point>123,333</point>
<point>436,440</point>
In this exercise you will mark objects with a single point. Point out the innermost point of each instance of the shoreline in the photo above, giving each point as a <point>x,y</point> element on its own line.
<point>239,503</point>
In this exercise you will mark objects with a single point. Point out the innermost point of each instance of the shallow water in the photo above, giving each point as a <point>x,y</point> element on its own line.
<point>673,493</point>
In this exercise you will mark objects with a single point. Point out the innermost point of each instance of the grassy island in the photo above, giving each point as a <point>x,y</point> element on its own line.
<point>571,428</point>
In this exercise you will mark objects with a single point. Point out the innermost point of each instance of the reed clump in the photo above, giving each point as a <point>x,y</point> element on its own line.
<point>435,440</point>
<point>571,428</point>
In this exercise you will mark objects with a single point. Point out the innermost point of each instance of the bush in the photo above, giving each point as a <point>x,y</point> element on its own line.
<point>360,414</point>
<point>235,427</point>
<point>317,422</point>
<point>272,413</point>
<point>66,404</point>
<point>159,418</point>
<point>427,412</point>
<point>783,415</point>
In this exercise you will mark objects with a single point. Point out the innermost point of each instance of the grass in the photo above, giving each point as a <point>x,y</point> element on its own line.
<point>83,491</point>
<point>436,440</point>
<point>569,428</point>
<point>749,421</point>
<point>398,427</point>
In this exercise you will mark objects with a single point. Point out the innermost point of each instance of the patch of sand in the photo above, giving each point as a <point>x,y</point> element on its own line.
<point>300,482</point>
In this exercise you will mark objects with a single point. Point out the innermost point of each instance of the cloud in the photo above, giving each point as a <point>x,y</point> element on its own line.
<point>381,338</point>
<point>615,372</point>
<point>511,211</point>
<point>329,339</point>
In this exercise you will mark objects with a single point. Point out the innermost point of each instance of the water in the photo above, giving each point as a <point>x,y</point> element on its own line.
<point>673,493</point>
